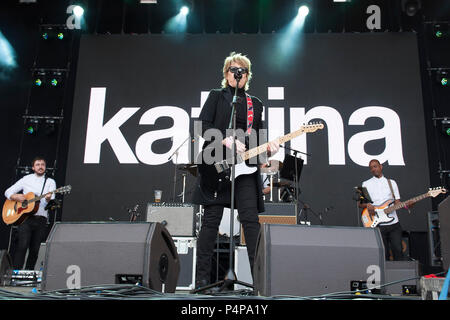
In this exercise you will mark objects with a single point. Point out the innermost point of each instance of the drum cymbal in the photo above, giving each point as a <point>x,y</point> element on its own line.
<point>191,168</point>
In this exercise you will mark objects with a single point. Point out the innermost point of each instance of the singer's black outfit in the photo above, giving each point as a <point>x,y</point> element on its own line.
<point>216,113</point>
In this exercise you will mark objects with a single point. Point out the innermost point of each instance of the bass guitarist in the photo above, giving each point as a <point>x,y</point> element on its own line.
<point>380,190</point>
<point>32,231</point>
<point>216,114</point>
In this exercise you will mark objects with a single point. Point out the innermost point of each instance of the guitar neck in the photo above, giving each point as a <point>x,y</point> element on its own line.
<point>404,204</point>
<point>263,148</point>
<point>40,197</point>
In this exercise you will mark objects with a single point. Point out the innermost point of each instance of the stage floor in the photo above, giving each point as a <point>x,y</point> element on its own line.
<point>105,293</point>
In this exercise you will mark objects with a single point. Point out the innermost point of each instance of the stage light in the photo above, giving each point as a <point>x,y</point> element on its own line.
<point>60,35</point>
<point>45,36</point>
<point>303,11</point>
<point>445,126</point>
<point>178,23</point>
<point>411,7</point>
<point>39,78</point>
<point>78,11</point>
<point>442,78</point>
<point>440,30</point>
<point>7,57</point>
<point>32,126</point>
<point>184,10</point>
<point>50,126</point>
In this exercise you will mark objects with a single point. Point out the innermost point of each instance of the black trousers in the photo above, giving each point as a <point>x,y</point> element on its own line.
<point>247,206</point>
<point>392,239</point>
<point>30,235</point>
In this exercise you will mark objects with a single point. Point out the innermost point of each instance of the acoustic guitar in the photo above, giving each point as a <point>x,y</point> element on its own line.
<point>16,212</point>
<point>381,215</point>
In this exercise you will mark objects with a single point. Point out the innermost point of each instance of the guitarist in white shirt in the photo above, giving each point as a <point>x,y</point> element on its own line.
<point>33,230</point>
<point>381,191</point>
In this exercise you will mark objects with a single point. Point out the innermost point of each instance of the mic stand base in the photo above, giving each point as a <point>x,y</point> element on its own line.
<point>225,284</point>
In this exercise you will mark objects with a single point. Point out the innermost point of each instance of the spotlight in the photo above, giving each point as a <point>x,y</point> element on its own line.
<point>45,36</point>
<point>184,10</point>
<point>60,35</point>
<point>442,78</point>
<point>445,126</point>
<point>303,11</point>
<point>78,11</point>
<point>411,7</point>
<point>440,30</point>
<point>39,78</point>
<point>56,79</point>
<point>32,126</point>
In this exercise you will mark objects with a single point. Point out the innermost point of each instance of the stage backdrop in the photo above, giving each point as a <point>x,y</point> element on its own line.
<point>137,97</point>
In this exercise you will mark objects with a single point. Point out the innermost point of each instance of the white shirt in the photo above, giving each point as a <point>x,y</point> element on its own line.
<point>33,183</point>
<point>379,192</point>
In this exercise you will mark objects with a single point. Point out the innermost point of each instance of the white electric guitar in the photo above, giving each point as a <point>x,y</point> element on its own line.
<point>216,174</point>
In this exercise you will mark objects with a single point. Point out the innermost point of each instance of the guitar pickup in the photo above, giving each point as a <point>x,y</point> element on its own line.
<point>222,166</point>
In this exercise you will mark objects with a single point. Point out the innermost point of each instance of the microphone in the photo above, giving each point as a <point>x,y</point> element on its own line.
<point>238,70</point>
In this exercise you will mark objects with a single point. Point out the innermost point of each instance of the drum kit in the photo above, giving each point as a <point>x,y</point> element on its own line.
<point>272,169</point>
<point>285,189</point>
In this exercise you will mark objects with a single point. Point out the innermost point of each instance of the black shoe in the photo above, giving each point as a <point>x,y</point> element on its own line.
<point>201,283</point>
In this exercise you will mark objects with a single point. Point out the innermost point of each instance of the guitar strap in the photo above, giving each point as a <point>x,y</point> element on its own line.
<point>45,180</point>
<point>390,187</point>
<point>249,113</point>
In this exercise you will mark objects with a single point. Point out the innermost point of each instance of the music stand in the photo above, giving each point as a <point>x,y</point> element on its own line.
<point>361,195</point>
<point>291,171</point>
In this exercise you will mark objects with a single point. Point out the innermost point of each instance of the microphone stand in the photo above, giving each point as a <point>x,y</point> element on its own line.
<point>175,167</point>
<point>230,277</point>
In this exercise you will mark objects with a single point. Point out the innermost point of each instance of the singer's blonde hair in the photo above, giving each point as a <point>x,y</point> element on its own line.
<point>243,61</point>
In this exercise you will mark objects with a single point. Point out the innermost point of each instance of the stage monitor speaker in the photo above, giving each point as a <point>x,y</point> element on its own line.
<point>444,231</point>
<point>98,253</point>
<point>314,260</point>
<point>6,268</point>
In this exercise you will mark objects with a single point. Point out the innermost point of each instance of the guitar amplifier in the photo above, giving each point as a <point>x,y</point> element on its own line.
<point>178,218</point>
<point>275,213</point>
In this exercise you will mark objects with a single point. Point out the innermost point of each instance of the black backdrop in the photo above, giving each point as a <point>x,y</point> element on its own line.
<point>339,73</point>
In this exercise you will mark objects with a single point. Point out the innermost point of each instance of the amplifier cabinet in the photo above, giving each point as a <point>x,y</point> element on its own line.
<point>178,218</point>
<point>278,219</point>
<point>275,213</point>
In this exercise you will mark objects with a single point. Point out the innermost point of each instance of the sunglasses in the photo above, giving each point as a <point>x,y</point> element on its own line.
<point>238,70</point>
